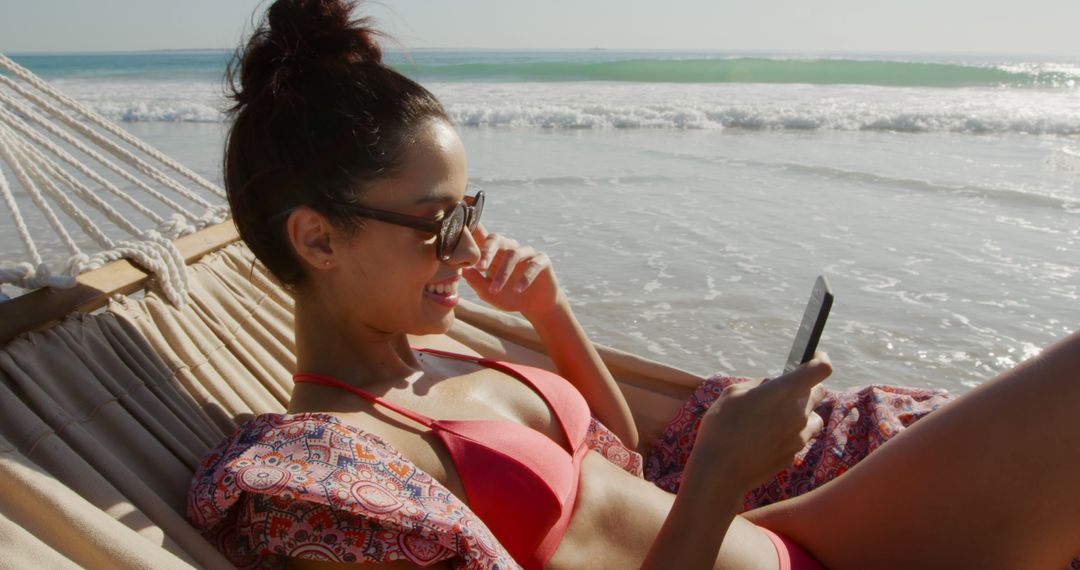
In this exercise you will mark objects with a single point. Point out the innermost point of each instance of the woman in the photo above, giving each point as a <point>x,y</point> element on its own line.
<point>349,183</point>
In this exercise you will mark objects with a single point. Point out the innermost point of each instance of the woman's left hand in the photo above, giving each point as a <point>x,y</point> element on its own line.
<point>513,277</point>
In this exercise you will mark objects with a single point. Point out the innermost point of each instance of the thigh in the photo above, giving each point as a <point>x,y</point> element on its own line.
<point>987,481</point>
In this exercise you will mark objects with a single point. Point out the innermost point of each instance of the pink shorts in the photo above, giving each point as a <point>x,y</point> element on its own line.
<point>791,555</point>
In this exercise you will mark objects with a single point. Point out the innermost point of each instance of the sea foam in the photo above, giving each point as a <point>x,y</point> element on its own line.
<point>758,107</point>
<point>605,105</point>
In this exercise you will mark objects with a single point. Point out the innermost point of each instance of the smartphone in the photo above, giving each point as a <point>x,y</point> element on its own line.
<point>813,322</point>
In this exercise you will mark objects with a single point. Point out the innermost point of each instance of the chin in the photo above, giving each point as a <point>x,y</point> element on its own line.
<point>435,324</point>
<point>436,313</point>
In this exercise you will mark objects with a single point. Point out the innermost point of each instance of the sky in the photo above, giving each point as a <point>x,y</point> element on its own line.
<point>1046,27</point>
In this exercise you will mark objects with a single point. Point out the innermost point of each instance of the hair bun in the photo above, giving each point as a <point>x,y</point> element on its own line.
<point>301,45</point>
<point>321,30</point>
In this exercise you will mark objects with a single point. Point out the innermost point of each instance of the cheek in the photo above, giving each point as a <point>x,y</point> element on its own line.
<point>394,267</point>
<point>399,252</point>
<point>405,269</point>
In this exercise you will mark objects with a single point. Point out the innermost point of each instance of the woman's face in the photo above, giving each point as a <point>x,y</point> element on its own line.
<point>396,282</point>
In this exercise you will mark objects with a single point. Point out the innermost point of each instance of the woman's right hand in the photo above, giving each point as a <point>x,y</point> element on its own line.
<point>513,277</point>
<point>752,432</point>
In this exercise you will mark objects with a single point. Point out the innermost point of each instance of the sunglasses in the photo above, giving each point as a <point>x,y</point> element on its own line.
<point>448,230</point>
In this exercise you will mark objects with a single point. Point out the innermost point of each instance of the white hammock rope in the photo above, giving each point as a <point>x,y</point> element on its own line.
<point>25,130</point>
<point>10,154</point>
<point>26,275</point>
<point>174,227</point>
<point>30,157</point>
<point>113,148</point>
<point>24,74</point>
<point>80,190</point>
<point>20,225</point>
<point>102,160</point>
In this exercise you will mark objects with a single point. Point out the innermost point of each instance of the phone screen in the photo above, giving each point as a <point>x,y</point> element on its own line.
<point>813,322</point>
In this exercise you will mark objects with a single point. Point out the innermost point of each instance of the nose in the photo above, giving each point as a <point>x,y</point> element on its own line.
<point>467,252</point>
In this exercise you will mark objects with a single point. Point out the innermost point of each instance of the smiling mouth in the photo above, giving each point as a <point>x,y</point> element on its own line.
<point>442,288</point>
<point>444,292</point>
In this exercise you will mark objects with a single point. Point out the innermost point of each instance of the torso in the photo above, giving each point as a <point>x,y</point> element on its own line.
<point>617,515</point>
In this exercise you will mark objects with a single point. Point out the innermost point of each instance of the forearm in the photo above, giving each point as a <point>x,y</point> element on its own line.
<point>697,523</point>
<point>576,359</point>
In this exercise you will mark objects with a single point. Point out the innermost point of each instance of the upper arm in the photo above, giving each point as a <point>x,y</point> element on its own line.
<point>272,525</point>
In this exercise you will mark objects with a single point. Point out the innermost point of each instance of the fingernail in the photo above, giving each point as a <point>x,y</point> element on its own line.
<point>495,286</point>
<point>519,288</point>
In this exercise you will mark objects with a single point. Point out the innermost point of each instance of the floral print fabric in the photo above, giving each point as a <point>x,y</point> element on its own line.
<point>857,422</point>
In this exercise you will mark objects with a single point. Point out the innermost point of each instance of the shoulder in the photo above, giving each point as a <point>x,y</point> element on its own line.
<point>281,483</point>
<point>309,456</point>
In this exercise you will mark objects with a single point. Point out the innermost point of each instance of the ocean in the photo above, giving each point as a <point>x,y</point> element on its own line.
<point>689,199</point>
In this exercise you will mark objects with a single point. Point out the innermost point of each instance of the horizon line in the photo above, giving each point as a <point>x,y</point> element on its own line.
<point>774,51</point>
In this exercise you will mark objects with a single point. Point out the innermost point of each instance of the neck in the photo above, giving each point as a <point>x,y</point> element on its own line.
<point>328,343</point>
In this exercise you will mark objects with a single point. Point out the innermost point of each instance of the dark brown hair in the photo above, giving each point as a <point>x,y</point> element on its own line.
<point>317,116</point>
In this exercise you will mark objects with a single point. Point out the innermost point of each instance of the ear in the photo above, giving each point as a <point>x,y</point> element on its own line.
<point>312,237</point>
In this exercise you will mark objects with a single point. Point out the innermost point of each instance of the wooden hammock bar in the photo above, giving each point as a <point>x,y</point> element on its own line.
<point>41,308</point>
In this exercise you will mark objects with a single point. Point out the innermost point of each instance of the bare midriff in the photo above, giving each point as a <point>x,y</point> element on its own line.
<point>618,516</point>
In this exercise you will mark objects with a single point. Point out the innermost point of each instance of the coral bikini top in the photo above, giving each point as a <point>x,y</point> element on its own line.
<point>517,480</point>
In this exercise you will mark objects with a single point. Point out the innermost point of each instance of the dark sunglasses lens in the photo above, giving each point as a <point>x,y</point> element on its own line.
<point>477,209</point>
<point>451,232</point>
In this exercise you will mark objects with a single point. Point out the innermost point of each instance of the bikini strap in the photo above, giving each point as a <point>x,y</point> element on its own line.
<point>572,425</point>
<point>324,380</point>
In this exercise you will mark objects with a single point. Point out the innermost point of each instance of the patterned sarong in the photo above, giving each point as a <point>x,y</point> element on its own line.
<point>857,421</point>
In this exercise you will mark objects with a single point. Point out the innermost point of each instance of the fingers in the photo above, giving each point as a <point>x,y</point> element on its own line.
<point>490,245</point>
<point>823,358</point>
<point>813,428</point>
<point>771,427</point>
<point>807,375</point>
<point>505,263</point>
<point>799,392</point>
<point>817,369</point>
<point>533,268</point>
<point>475,279</point>
<point>817,394</point>
<point>480,233</point>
